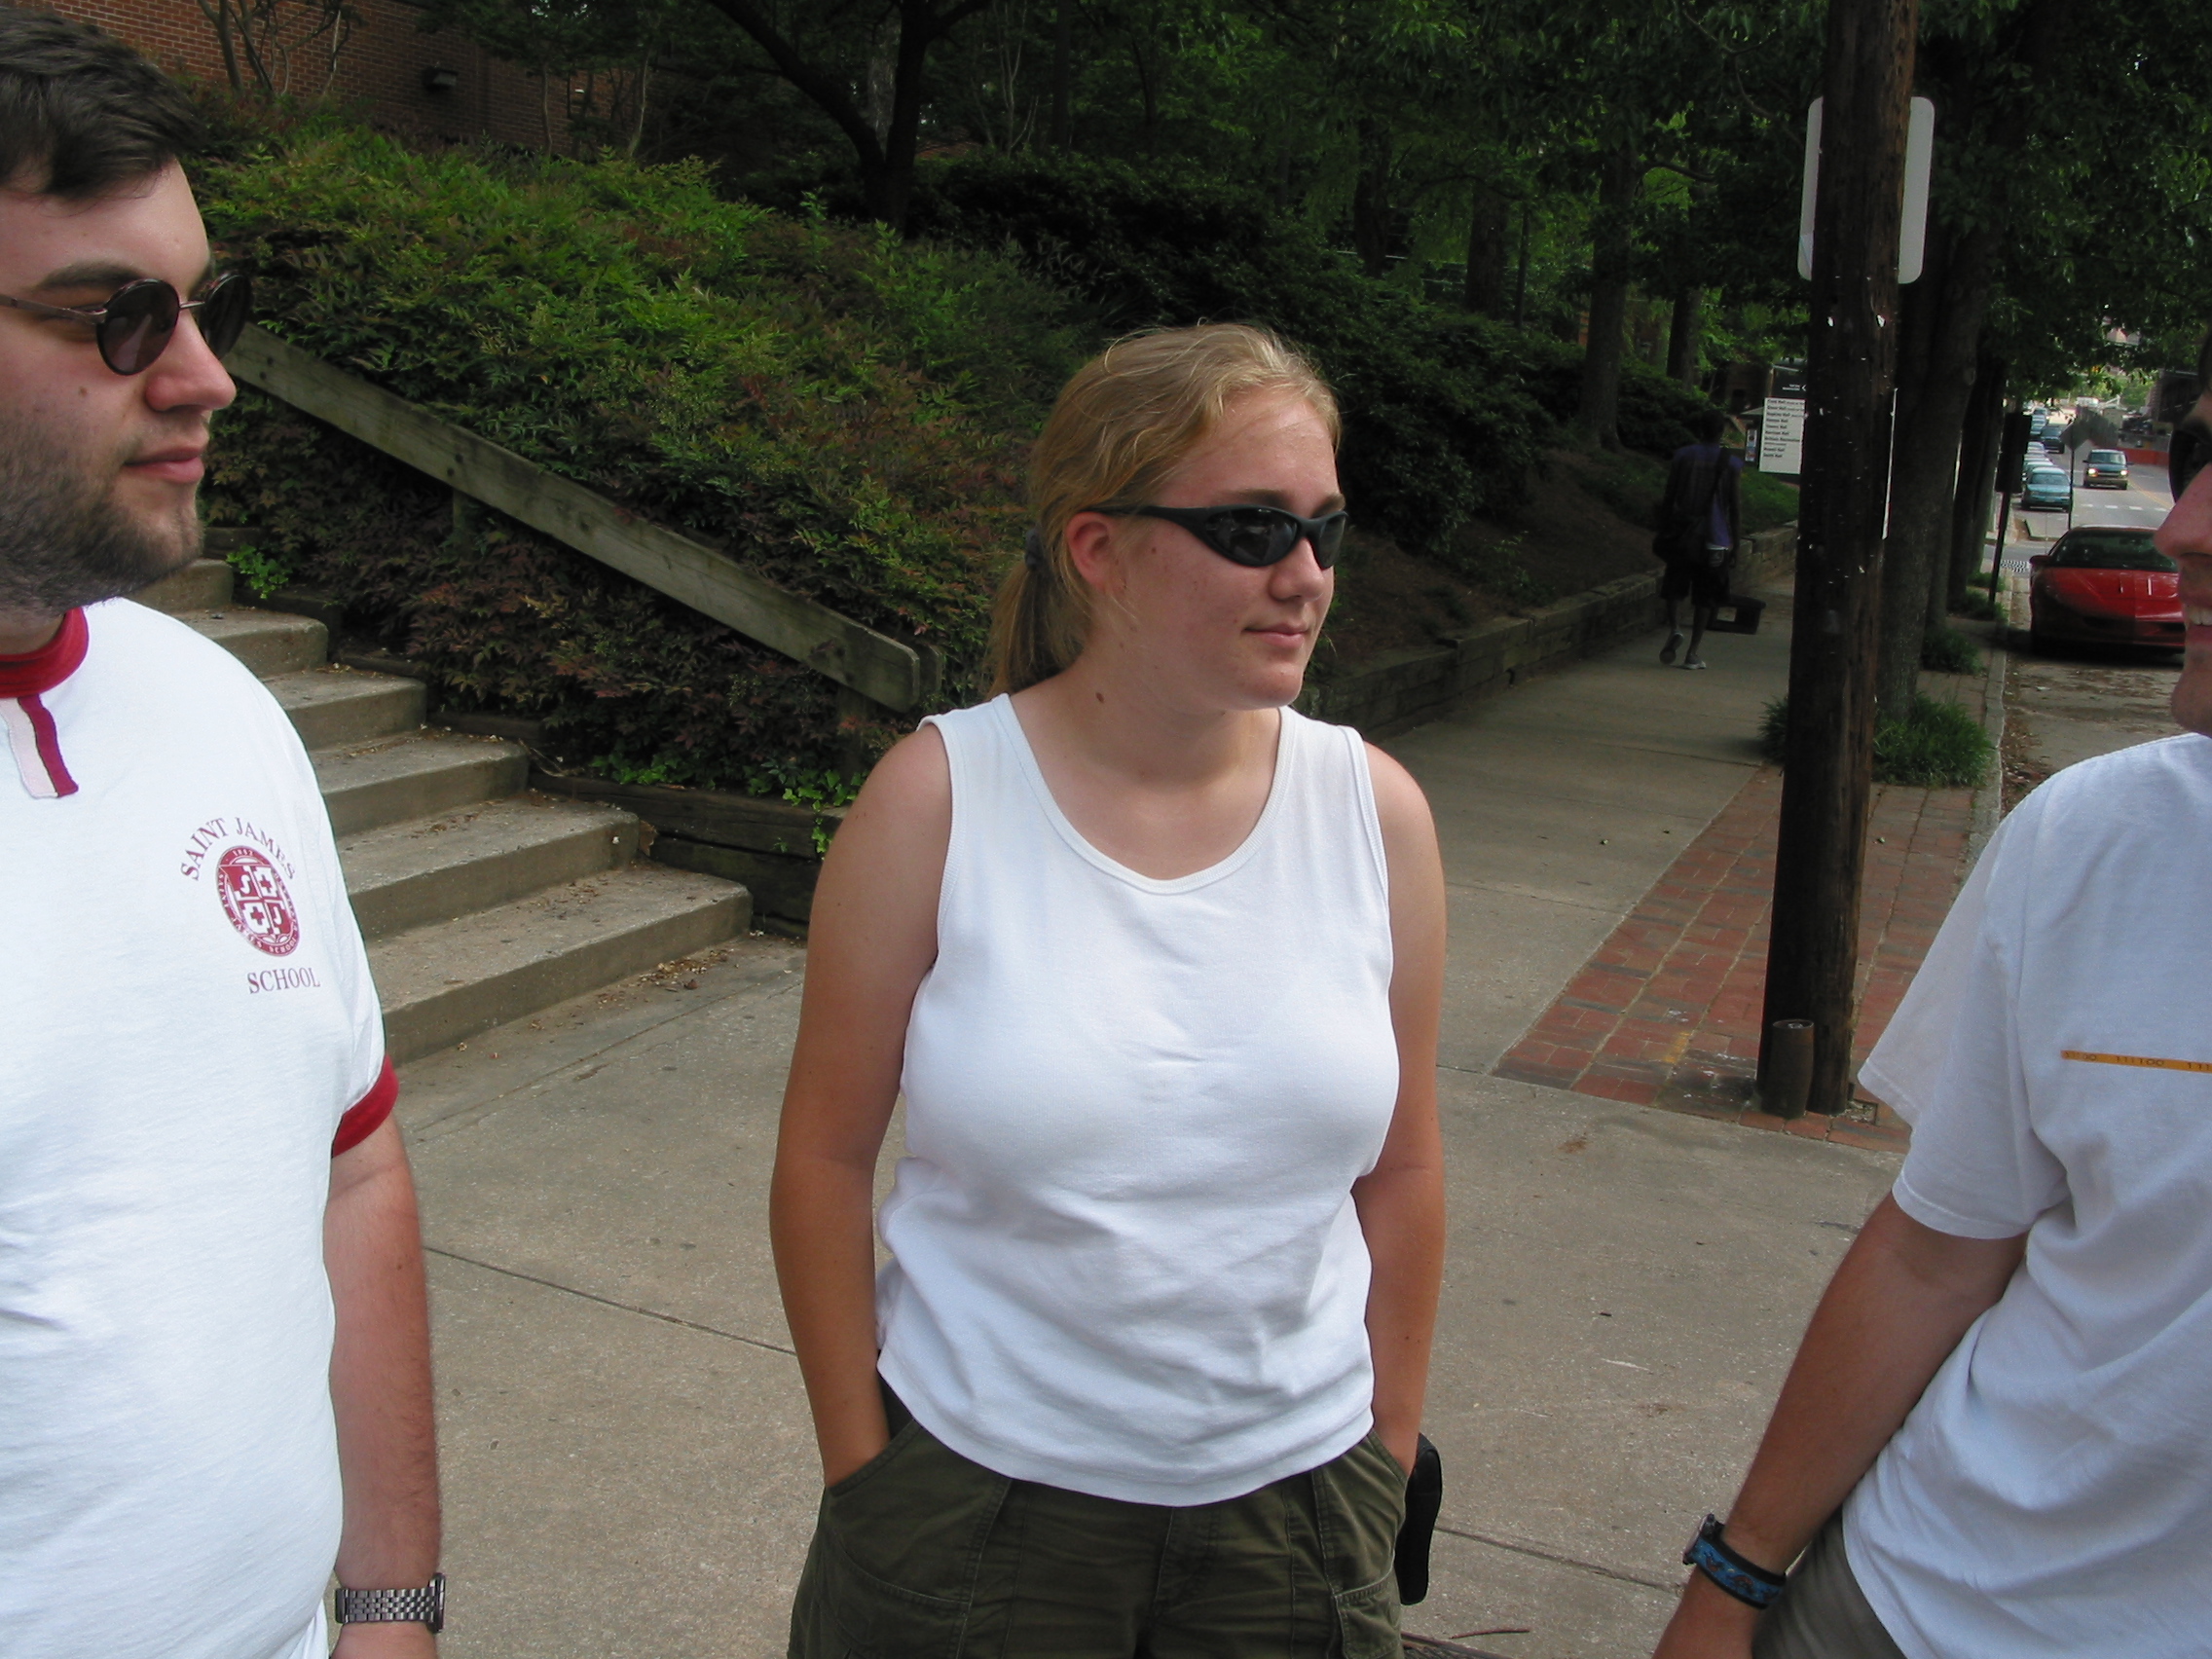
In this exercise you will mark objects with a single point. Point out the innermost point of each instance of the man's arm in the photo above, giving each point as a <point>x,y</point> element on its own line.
<point>380,1387</point>
<point>1899,1302</point>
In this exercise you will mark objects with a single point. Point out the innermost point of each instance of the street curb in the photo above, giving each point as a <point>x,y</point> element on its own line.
<point>1989,800</point>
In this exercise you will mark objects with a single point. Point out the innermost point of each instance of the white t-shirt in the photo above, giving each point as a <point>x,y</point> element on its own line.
<point>185,1014</point>
<point>2051,1493</point>
<point>1124,1255</point>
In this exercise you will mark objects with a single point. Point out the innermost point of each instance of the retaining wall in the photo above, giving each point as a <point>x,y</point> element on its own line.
<point>767,844</point>
<point>1406,688</point>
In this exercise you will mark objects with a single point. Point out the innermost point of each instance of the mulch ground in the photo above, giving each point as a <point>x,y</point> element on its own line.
<point>1666,1013</point>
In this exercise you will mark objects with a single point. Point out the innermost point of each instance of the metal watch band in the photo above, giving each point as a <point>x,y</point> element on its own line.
<point>427,1605</point>
<point>1748,1582</point>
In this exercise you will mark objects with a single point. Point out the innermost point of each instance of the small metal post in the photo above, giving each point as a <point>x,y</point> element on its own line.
<point>1786,1081</point>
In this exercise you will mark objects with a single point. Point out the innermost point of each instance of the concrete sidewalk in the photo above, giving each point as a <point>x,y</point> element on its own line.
<point>629,1470</point>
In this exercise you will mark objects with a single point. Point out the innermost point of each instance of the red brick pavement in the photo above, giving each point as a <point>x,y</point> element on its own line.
<point>1666,1013</point>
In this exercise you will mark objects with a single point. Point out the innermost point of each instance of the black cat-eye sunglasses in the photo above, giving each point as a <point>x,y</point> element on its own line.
<point>139,319</point>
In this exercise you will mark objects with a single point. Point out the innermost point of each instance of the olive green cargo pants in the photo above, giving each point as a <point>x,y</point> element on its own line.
<point>921,1554</point>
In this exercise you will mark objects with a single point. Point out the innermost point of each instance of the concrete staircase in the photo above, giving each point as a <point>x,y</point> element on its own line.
<point>481,902</point>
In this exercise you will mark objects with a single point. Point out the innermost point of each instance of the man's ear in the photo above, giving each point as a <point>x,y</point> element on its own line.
<point>1093,550</point>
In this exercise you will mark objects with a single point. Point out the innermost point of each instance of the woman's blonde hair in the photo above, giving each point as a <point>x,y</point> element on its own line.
<point>1122,424</point>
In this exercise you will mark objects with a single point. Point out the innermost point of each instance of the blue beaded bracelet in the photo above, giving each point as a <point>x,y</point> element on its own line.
<point>1750,1583</point>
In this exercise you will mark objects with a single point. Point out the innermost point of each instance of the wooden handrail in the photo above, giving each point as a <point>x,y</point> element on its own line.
<point>882,669</point>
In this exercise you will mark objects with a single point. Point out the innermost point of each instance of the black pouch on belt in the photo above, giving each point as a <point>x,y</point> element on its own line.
<point>1424,1497</point>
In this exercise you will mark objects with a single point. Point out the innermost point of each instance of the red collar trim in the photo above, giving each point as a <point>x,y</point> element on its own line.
<point>42,669</point>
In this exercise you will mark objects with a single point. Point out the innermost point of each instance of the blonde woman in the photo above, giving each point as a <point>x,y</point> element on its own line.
<point>1156,964</point>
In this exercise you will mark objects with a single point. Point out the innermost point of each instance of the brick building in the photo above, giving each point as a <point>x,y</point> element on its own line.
<point>436,85</point>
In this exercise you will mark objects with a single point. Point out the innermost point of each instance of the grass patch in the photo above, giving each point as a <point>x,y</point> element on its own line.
<point>1936,746</point>
<point>1946,650</point>
<point>1766,501</point>
<point>1977,605</point>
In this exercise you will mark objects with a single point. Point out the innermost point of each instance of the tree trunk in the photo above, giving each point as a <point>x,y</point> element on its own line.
<point>1370,223</point>
<point>1064,74</point>
<point>1685,336</point>
<point>1977,476</point>
<point>880,87</point>
<point>1938,334</point>
<point>1612,249</point>
<point>1521,278</point>
<point>645,89</point>
<point>895,194</point>
<point>218,15</point>
<point>1940,337</point>
<point>1487,251</point>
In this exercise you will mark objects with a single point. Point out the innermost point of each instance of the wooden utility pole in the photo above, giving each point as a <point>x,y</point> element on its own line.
<point>1813,954</point>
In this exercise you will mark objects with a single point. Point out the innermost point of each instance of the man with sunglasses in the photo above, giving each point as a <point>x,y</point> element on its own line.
<point>1996,1441</point>
<point>214,1375</point>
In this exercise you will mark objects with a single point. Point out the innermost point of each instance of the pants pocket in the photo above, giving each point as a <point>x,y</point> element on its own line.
<point>1367,1620</point>
<point>1362,1503</point>
<point>892,1571</point>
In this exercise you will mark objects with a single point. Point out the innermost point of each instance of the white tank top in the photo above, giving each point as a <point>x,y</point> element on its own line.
<point>1125,1258</point>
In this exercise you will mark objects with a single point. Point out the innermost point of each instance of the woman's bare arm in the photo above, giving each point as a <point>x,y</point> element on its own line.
<point>1401,1201</point>
<point>872,937</point>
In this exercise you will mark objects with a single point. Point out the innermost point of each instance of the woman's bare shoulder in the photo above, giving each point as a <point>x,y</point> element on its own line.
<point>879,884</point>
<point>1399,802</point>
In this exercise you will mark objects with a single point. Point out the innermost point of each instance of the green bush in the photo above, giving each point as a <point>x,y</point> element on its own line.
<point>1946,650</point>
<point>1936,746</point>
<point>842,413</point>
<point>1976,605</point>
<point>1444,413</point>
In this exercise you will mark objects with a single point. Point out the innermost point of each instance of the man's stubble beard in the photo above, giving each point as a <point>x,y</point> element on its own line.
<point>65,540</point>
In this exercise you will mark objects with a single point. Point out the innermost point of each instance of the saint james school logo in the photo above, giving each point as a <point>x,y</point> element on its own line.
<point>252,879</point>
<point>257,901</point>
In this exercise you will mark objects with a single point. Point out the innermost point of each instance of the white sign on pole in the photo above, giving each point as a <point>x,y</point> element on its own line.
<point>1782,429</point>
<point>1912,222</point>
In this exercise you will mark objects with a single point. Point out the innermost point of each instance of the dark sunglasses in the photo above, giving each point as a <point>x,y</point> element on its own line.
<point>1251,535</point>
<point>2187,452</point>
<point>139,319</point>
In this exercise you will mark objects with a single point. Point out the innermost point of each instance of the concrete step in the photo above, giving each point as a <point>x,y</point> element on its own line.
<point>334,706</point>
<point>267,642</point>
<point>444,982</point>
<point>204,585</point>
<point>431,869</point>
<point>430,771</point>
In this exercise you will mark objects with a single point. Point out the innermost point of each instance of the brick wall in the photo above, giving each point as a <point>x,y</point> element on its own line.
<point>380,67</point>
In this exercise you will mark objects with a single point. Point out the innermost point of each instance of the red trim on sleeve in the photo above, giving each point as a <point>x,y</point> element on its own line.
<point>49,743</point>
<point>366,1114</point>
<point>42,669</point>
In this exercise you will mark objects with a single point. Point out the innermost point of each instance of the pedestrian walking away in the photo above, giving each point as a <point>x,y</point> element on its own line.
<point>1699,528</point>
<point>214,1368</point>
<point>1996,1438</point>
<point>1143,1372</point>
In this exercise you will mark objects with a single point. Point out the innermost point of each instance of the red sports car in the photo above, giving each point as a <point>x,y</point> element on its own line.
<point>2105,586</point>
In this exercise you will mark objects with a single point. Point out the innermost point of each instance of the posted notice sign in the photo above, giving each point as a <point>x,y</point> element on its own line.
<point>1782,429</point>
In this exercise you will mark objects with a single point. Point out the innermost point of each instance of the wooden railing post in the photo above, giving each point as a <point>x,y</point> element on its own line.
<point>887,670</point>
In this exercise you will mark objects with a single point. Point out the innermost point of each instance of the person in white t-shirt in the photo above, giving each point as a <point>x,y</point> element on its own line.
<point>1996,1442</point>
<point>214,1358</point>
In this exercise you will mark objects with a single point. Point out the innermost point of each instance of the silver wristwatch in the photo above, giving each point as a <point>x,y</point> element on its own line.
<point>427,1605</point>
